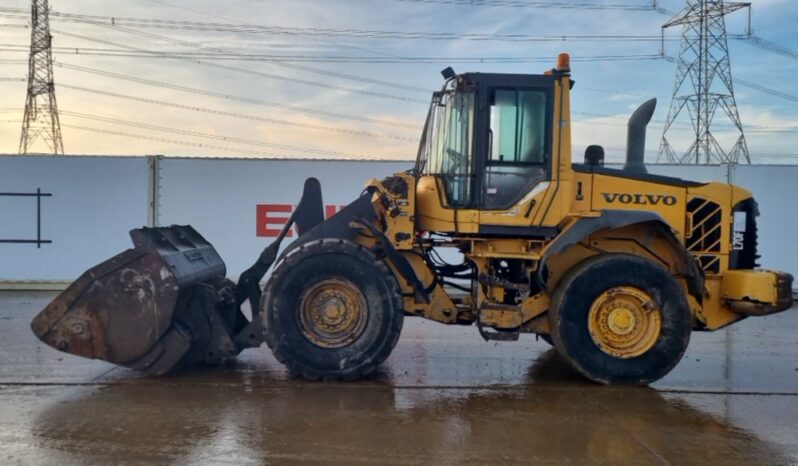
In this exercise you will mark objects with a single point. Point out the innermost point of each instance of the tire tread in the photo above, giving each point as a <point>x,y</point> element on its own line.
<point>276,341</point>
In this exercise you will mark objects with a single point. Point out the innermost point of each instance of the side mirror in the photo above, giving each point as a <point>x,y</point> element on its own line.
<point>594,156</point>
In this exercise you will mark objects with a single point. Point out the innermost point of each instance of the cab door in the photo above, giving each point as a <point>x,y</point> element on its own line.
<point>515,157</point>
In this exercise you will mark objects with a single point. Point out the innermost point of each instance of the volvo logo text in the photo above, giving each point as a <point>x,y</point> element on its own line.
<point>642,199</point>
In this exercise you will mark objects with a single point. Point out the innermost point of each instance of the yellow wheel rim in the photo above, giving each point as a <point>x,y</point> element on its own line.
<point>624,322</point>
<point>333,313</point>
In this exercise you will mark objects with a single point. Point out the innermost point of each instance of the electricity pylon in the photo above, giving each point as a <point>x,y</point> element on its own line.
<point>704,84</point>
<point>41,111</point>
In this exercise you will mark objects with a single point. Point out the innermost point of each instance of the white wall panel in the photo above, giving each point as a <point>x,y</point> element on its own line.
<point>96,200</point>
<point>775,188</point>
<point>93,204</point>
<point>220,198</point>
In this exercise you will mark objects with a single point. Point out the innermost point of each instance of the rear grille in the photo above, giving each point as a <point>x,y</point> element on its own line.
<point>704,238</point>
<point>744,243</point>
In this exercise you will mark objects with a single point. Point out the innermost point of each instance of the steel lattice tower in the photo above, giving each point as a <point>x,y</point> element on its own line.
<point>704,84</point>
<point>41,112</point>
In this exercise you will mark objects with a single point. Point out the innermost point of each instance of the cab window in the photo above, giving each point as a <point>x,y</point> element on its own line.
<point>518,145</point>
<point>446,150</point>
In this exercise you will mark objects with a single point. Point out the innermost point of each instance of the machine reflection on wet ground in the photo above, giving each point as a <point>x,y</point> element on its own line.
<point>444,397</point>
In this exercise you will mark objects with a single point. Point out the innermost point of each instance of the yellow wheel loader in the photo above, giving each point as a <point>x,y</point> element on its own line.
<point>495,226</point>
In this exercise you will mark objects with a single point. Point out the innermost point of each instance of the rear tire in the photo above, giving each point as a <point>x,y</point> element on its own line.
<point>622,319</point>
<point>331,310</point>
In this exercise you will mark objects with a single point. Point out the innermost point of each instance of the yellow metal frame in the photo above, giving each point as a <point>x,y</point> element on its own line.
<point>562,202</point>
<point>752,285</point>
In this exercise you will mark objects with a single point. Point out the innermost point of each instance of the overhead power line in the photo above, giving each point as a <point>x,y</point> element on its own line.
<point>238,115</point>
<point>769,46</point>
<point>293,80</point>
<point>621,123</point>
<point>252,72</point>
<point>755,86</point>
<point>228,149</point>
<point>232,97</point>
<point>766,90</point>
<point>241,27</point>
<point>558,5</point>
<point>88,51</point>
<point>87,19</point>
<point>333,32</point>
<point>224,18</point>
<point>198,134</point>
<point>323,113</point>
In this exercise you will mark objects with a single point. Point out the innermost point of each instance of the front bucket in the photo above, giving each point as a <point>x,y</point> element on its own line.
<point>148,308</point>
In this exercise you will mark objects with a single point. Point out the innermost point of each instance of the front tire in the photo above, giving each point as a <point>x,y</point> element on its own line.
<point>331,310</point>
<point>622,319</point>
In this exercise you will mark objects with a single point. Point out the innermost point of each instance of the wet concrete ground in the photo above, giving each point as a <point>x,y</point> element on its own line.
<point>443,397</point>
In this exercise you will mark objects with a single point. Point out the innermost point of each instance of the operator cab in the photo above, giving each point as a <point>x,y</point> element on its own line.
<point>488,138</point>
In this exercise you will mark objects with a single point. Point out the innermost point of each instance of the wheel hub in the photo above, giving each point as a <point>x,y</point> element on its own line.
<point>621,321</point>
<point>624,322</point>
<point>333,313</point>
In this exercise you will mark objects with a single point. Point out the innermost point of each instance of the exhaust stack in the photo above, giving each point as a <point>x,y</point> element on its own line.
<point>636,137</point>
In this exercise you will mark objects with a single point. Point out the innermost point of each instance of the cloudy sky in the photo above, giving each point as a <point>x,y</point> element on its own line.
<point>350,78</point>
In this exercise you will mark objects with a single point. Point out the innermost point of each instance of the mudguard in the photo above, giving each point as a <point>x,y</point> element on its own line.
<point>615,219</point>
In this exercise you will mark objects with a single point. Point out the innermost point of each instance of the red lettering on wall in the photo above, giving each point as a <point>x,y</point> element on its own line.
<point>269,223</point>
<point>266,219</point>
<point>329,211</point>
